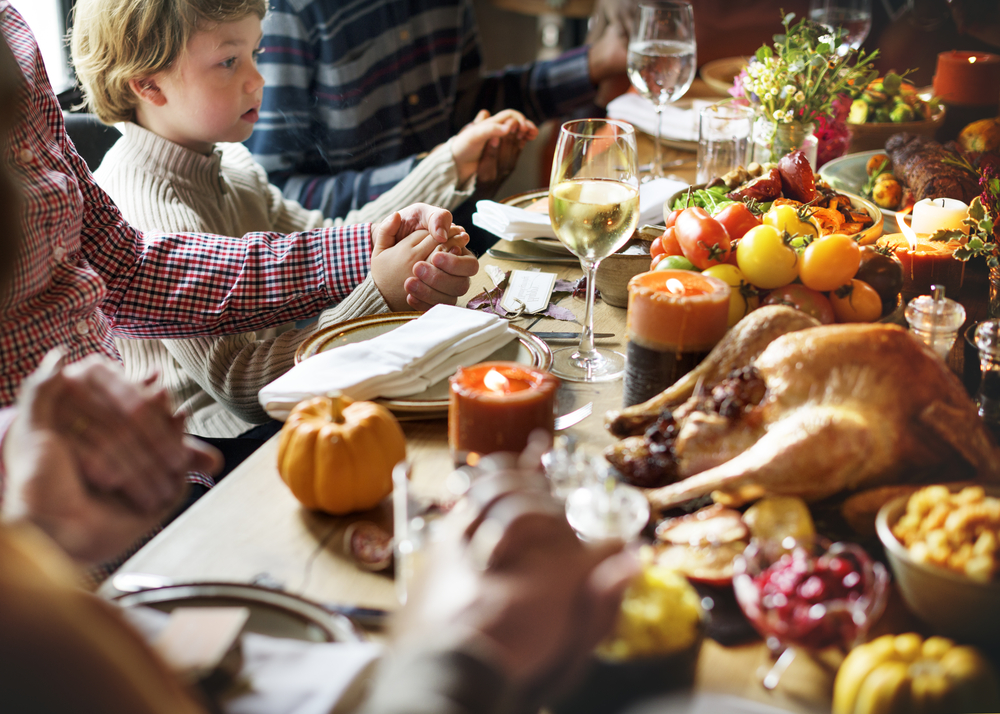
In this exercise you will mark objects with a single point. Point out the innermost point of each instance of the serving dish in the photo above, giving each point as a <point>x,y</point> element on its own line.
<point>272,612</point>
<point>951,603</point>
<point>848,174</point>
<point>868,136</point>
<point>526,349</point>
<point>719,74</point>
<point>869,235</point>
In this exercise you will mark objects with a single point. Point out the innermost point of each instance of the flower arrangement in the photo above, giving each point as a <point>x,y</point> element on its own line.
<point>804,74</point>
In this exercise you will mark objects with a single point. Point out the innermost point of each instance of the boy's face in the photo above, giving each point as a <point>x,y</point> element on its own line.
<point>213,90</point>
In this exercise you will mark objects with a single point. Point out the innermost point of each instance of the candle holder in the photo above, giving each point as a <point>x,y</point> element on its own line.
<point>494,406</point>
<point>675,318</point>
<point>968,83</point>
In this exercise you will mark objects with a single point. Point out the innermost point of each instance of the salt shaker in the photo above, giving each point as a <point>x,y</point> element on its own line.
<point>935,320</point>
<point>988,399</point>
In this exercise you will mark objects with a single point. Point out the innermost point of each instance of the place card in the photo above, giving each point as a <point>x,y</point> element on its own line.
<point>531,288</point>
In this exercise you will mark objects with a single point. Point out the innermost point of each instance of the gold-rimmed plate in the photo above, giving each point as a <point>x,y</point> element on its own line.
<point>719,74</point>
<point>526,349</point>
<point>529,198</point>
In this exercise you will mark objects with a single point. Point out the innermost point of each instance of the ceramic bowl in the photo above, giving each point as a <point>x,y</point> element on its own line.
<point>870,137</point>
<point>952,604</point>
<point>617,269</point>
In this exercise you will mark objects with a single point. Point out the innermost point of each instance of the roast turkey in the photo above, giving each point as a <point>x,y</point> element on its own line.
<point>820,410</point>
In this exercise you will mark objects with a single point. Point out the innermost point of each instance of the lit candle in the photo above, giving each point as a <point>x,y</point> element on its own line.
<point>967,78</point>
<point>675,317</point>
<point>932,214</point>
<point>925,262</point>
<point>494,406</point>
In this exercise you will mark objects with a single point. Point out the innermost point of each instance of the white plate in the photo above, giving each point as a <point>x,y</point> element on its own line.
<point>680,119</point>
<point>526,349</point>
<point>272,613</point>
<point>848,174</point>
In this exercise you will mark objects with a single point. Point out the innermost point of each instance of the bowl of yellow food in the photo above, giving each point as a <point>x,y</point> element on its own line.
<point>942,546</point>
<point>654,647</point>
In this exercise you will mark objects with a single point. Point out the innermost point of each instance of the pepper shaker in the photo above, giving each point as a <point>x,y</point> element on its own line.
<point>988,398</point>
<point>935,320</point>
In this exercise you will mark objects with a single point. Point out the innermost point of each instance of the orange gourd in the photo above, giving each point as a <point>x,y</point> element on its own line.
<point>337,455</point>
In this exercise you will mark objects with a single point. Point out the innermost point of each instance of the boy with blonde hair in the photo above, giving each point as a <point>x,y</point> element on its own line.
<point>181,78</point>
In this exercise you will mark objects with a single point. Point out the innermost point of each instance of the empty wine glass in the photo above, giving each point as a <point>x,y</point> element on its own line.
<point>853,16</point>
<point>661,59</point>
<point>594,209</point>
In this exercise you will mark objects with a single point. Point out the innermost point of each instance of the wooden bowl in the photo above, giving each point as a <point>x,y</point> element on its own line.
<point>614,272</point>
<point>871,137</point>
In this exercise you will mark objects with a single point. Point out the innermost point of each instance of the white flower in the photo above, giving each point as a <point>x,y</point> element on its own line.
<point>789,88</point>
<point>800,96</point>
<point>773,92</point>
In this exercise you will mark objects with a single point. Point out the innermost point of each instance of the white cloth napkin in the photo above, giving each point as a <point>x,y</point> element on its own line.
<point>399,363</point>
<point>679,124</point>
<point>513,223</point>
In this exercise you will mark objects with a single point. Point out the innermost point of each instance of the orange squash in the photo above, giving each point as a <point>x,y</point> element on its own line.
<point>337,455</point>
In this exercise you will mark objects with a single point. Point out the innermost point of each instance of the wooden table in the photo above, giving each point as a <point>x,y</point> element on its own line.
<point>250,525</point>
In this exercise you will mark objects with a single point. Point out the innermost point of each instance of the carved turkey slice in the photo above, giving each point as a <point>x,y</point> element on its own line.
<point>819,411</point>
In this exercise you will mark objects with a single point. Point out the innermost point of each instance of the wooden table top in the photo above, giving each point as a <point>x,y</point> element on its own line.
<point>250,525</point>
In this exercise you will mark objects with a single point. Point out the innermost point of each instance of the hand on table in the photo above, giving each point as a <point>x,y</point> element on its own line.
<point>489,147</point>
<point>95,460</point>
<point>511,578</point>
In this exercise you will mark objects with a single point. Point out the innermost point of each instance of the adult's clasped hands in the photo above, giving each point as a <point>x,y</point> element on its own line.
<point>94,460</point>
<point>512,584</point>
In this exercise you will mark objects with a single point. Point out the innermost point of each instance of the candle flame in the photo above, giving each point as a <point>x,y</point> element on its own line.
<point>972,60</point>
<point>911,237</point>
<point>675,286</point>
<point>496,382</point>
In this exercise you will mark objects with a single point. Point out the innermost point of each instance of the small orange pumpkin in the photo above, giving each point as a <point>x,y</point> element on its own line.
<point>337,455</point>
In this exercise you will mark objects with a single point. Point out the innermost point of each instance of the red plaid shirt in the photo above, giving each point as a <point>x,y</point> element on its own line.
<point>84,274</point>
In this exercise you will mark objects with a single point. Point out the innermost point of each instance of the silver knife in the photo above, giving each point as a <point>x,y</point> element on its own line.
<point>574,336</point>
<point>551,259</point>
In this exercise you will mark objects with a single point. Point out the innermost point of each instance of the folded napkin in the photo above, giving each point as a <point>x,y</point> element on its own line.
<point>679,124</point>
<point>399,363</point>
<point>513,223</point>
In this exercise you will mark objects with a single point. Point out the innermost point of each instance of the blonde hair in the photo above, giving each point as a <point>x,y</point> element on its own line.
<point>114,41</point>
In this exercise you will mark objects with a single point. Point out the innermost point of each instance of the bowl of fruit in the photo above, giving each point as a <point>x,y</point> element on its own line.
<point>888,106</point>
<point>808,595</point>
<point>653,648</point>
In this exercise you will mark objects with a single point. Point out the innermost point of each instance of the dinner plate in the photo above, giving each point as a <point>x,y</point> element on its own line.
<point>719,74</point>
<point>526,349</point>
<point>848,174</point>
<point>523,200</point>
<point>679,132</point>
<point>272,612</point>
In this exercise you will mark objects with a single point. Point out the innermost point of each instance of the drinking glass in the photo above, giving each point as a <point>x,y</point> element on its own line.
<point>724,132</point>
<point>594,209</point>
<point>854,16</point>
<point>661,59</point>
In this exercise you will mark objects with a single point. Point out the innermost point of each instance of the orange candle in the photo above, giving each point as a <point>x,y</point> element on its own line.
<point>494,406</point>
<point>675,317</point>
<point>926,263</point>
<point>967,78</point>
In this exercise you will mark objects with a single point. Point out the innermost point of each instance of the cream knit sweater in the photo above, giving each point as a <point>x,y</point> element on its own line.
<point>161,186</point>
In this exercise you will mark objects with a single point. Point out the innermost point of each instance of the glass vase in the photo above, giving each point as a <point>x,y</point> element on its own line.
<point>772,140</point>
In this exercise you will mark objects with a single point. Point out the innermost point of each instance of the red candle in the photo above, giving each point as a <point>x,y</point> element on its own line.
<point>675,317</point>
<point>494,406</point>
<point>967,78</point>
<point>926,263</point>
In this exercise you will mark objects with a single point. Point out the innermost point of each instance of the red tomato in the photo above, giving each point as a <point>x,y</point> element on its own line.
<point>737,219</point>
<point>703,239</point>
<point>805,300</point>
<point>829,262</point>
<point>656,247</point>
<point>856,302</point>
<point>670,218</point>
<point>669,242</point>
<point>656,260</point>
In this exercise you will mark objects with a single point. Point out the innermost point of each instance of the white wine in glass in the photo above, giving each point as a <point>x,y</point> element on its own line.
<point>594,209</point>
<point>662,59</point>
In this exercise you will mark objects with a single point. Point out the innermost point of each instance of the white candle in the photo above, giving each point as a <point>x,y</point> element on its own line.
<point>933,214</point>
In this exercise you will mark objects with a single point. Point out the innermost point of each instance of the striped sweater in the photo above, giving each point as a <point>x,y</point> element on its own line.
<point>159,185</point>
<point>355,88</point>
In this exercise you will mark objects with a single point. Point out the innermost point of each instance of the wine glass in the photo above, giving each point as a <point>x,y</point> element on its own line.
<point>661,59</point>
<point>854,16</point>
<point>594,209</point>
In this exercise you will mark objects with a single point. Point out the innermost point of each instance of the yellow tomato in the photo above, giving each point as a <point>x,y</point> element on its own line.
<point>743,297</point>
<point>786,218</point>
<point>829,262</point>
<point>765,259</point>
